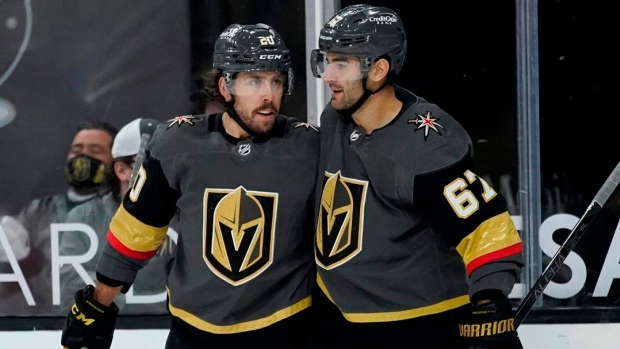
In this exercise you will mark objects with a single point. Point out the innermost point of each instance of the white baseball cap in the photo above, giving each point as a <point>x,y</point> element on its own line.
<point>127,140</point>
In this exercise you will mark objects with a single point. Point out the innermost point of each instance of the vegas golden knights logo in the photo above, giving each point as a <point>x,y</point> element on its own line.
<point>238,233</point>
<point>341,220</point>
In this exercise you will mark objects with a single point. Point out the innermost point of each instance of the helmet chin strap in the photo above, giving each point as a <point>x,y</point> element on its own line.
<point>229,108</point>
<point>367,93</point>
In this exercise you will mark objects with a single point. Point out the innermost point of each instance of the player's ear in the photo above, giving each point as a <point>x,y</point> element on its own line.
<point>224,89</point>
<point>379,70</point>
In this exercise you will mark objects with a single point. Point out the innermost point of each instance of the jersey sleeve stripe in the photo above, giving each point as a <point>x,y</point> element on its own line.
<point>494,238</point>
<point>122,249</point>
<point>504,252</point>
<point>135,235</point>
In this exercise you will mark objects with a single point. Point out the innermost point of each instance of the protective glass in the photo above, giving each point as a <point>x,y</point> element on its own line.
<point>257,83</point>
<point>338,67</point>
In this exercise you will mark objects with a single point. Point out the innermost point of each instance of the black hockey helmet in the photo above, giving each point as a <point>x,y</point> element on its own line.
<point>252,47</point>
<point>366,31</point>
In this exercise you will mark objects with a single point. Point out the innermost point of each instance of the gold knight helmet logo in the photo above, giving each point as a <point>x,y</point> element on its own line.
<point>341,220</point>
<point>238,233</point>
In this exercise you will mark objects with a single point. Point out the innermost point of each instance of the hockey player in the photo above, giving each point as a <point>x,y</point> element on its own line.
<point>243,183</point>
<point>414,250</point>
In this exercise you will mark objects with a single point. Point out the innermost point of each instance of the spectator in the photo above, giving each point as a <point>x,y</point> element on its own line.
<point>97,214</point>
<point>88,173</point>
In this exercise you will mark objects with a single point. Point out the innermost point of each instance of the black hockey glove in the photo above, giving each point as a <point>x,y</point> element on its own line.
<point>89,324</point>
<point>490,326</point>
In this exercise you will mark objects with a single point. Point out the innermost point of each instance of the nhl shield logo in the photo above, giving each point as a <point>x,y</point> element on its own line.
<point>244,149</point>
<point>238,234</point>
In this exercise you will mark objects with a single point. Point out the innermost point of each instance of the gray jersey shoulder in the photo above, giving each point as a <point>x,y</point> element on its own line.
<point>205,133</point>
<point>422,139</point>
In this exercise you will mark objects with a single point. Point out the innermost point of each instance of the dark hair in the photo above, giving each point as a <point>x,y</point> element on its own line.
<point>99,125</point>
<point>127,160</point>
<point>211,82</point>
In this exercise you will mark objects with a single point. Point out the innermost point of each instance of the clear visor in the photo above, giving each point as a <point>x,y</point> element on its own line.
<point>338,67</point>
<point>253,83</point>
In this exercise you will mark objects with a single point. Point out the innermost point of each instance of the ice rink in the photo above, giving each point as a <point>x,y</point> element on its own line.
<point>573,336</point>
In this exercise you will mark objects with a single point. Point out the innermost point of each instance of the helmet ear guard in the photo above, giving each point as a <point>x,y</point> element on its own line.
<point>259,47</point>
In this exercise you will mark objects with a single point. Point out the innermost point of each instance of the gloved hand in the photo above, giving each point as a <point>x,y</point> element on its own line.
<point>89,324</point>
<point>490,326</point>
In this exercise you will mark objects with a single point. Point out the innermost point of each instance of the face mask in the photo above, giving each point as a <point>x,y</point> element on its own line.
<point>84,172</point>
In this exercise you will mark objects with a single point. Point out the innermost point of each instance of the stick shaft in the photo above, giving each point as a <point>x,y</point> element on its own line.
<point>568,245</point>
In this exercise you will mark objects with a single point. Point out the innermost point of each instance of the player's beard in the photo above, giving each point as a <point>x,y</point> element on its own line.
<point>258,124</point>
<point>352,91</point>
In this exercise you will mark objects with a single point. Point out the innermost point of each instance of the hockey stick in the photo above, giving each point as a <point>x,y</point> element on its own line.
<point>571,240</point>
<point>139,158</point>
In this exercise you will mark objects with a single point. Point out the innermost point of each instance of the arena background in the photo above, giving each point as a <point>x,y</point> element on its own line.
<point>70,62</point>
<point>65,63</point>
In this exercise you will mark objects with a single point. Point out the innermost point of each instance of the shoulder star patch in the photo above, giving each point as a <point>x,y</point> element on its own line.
<point>304,124</point>
<point>185,119</point>
<point>426,121</point>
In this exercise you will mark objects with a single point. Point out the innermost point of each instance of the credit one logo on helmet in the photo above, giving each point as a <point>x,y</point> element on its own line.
<point>230,33</point>
<point>384,19</point>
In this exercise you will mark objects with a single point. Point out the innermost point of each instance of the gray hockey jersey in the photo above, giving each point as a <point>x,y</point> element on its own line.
<point>244,257</point>
<point>404,223</point>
